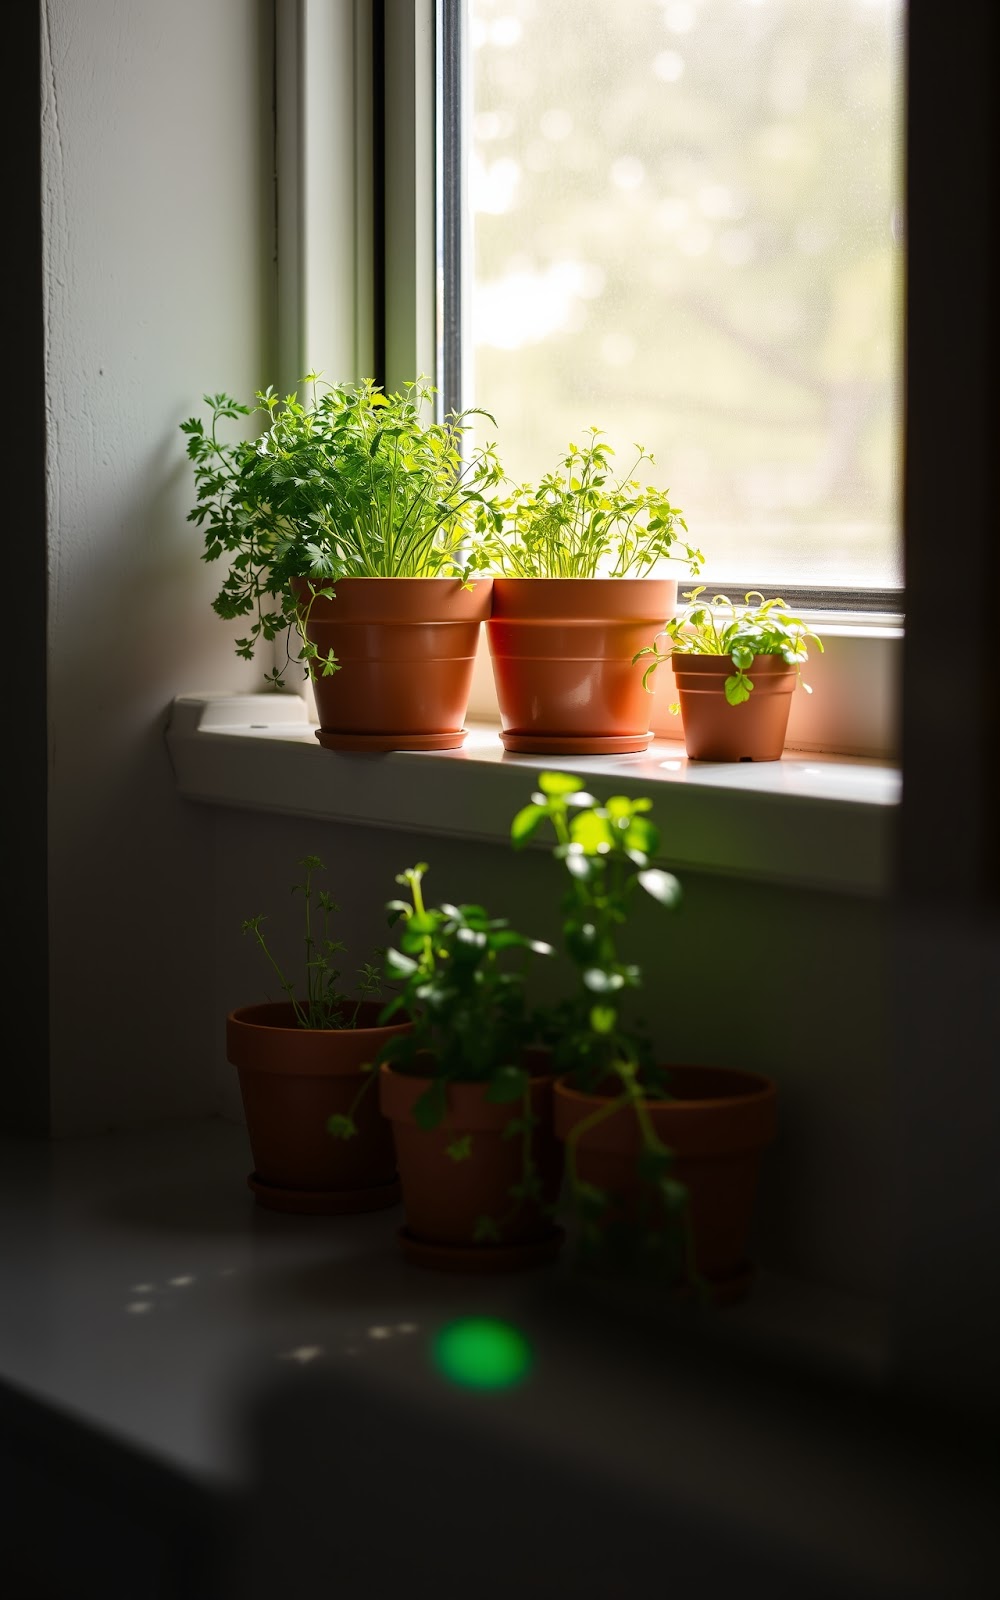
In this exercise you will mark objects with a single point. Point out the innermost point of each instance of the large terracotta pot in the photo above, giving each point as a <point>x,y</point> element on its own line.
<point>716,731</point>
<point>444,1199</point>
<point>717,1126</point>
<point>292,1080</point>
<point>562,652</point>
<point>407,649</point>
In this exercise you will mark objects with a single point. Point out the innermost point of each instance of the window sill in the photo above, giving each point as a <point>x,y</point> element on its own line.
<point>811,821</point>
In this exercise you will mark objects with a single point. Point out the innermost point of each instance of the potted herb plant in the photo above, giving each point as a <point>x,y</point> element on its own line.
<point>468,1091</point>
<point>661,1158</point>
<point>302,1066</point>
<point>578,563</point>
<point>735,668</point>
<point>344,525</point>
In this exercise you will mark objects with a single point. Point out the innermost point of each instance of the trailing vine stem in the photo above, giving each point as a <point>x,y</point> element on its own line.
<point>607,849</point>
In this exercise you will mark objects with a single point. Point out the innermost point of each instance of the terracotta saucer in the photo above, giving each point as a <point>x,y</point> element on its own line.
<point>324,1202</point>
<point>391,741</point>
<point>532,744</point>
<point>481,1257</point>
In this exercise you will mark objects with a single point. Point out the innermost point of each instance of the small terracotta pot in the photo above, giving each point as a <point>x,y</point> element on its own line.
<point>292,1080</point>
<point>407,649</point>
<point>717,1126</point>
<point>443,1199</point>
<point>716,731</point>
<point>562,654</point>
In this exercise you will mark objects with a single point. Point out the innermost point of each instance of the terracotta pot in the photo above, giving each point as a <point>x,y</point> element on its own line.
<point>562,649</point>
<point>407,649</point>
<point>717,1125</point>
<point>292,1080</point>
<point>716,731</point>
<point>443,1198</point>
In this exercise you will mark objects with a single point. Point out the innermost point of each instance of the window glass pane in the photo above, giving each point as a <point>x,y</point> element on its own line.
<point>683,226</point>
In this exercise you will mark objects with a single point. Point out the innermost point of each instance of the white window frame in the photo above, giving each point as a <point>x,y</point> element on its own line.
<point>335,184</point>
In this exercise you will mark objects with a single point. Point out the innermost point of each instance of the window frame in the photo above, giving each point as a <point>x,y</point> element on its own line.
<point>383,172</point>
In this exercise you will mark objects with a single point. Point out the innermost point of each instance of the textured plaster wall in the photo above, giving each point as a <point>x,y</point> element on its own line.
<point>158,218</point>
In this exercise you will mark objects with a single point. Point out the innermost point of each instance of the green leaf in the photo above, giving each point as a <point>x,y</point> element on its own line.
<point>507,1083</point>
<point>738,689</point>
<point>642,835</point>
<point>527,822</point>
<point>342,1127</point>
<point>663,886</point>
<point>460,1149</point>
<point>399,966</point>
<point>558,783</point>
<point>603,1019</point>
<point>592,831</point>
<point>485,1231</point>
<point>430,1108</point>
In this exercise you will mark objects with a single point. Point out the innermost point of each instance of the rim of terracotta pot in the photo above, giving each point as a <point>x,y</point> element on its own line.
<point>707,1126</point>
<point>509,580</point>
<point>758,1087</point>
<point>691,661</point>
<point>387,578</point>
<point>388,600</point>
<point>269,1013</point>
<point>403,1088</point>
<point>621,599</point>
<point>251,1032</point>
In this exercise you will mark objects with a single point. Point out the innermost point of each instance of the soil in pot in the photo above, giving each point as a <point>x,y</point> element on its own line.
<point>717,1126</point>
<point>714,730</point>
<point>292,1080</point>
<point>562,654</point>
<point>407,650</point>
<point>445,1199</point>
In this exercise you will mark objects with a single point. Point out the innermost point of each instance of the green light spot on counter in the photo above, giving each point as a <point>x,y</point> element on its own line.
<point>482,1353</point>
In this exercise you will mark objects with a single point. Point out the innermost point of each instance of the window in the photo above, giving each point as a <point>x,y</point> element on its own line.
<point>681,221</point>
<point>433,268</point>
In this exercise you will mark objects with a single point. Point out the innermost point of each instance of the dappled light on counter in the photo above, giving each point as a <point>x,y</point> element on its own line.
<point>302,1354</point>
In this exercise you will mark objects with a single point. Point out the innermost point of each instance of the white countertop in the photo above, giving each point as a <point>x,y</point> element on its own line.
<point>148,1297</point>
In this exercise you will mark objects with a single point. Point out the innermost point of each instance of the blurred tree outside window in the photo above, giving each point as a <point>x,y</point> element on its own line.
<point>684,226</point>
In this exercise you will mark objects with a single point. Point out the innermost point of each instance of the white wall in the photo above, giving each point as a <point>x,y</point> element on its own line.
<point>158,219</point>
